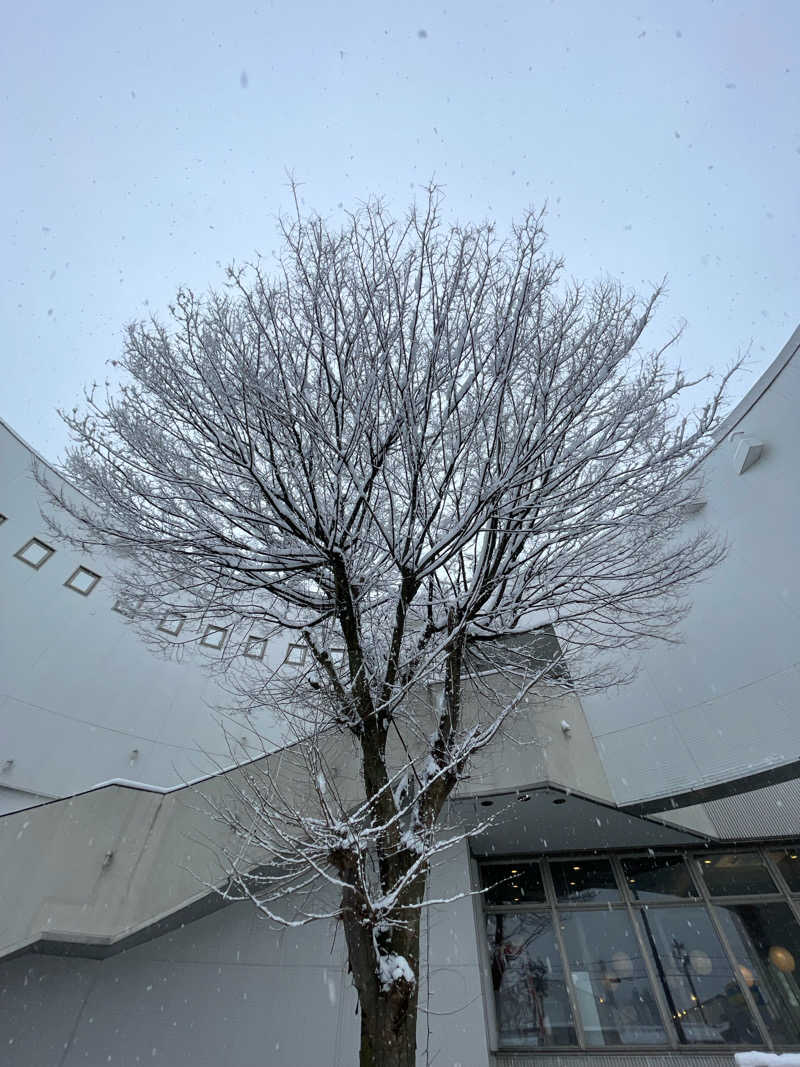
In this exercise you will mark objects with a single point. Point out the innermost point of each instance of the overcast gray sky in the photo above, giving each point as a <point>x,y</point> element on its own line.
<point>147,145</point>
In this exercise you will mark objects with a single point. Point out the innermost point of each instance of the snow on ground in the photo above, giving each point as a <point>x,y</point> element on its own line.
<point>767,1059</point>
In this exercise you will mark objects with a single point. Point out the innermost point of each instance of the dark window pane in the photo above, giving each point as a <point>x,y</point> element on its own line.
<point>612,990</point>
<point>531,998</point>
<point>733,873</point>
<point>703,995</point>
<point>512,883</point>
<point>658,878</point>
<point>765,941</point>
<point>788,863</point>
<point>585,880</point>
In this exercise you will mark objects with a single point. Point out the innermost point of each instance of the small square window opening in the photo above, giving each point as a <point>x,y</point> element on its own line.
<point>123,606</point>
<point>214,637</point>
<point>172,624</point>
<point>82,581</point>
<point>255,647</point>
<point>35,553</point>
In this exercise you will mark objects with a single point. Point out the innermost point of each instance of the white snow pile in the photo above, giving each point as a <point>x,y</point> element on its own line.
<point>767,1059</point>
<point>392,968</point>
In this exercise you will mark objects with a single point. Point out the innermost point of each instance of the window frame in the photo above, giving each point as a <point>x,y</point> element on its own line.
<point>703,899</point>
<point>94,577</point>
<point>251,641</point>
<point>49,553</point>
<point>295,647</point>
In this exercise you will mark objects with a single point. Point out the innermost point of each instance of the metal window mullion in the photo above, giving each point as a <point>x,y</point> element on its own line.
<point>678,902</point>
<point>515,909</point>
<point>696,875</point>
<point>737,974</point>
<point>550,893</point>
<point>794,908</point>
<point>649,965</point>
<point>682,902</point>
<point>746,898</point>
<point>777,877</point>
<point>622,881</point>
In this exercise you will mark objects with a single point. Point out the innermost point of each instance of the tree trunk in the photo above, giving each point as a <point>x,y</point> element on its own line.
<point>388,1032</point>
<point>388,1016</point>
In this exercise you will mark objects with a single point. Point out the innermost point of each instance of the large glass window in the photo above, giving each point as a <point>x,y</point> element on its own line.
<point>513,883</point>
<point>766,940</point>
<point>612,990</point>
<point>703,994</point>
<point>658,878</point>
<point>531,999</point>
<point>647,950</point>
<point>736,873</point>
<point>585,880</point>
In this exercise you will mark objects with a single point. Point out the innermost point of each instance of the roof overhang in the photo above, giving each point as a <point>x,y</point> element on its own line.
<point>548,818</point>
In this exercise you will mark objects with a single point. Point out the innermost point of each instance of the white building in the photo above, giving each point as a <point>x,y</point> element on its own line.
<point>651,912</point>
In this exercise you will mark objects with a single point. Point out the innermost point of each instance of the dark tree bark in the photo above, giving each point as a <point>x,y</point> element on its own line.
<point>388,1014</point>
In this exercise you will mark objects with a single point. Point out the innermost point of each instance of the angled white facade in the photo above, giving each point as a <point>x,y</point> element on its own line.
<point>723,704</point>
<point>82,699</point>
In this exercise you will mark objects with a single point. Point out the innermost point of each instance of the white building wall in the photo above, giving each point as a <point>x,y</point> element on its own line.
<point>78,691</point>
<point>231,989</point>
<point>724,703</point>
<point>82,699</point>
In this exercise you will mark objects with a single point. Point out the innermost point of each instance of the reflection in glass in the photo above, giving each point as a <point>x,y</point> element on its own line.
<point>612,990</point>
<point>733,873</point>
<point>765,941</point>
<point>788,863</point>
<point>658,878</point>
<point>530,994</point>
<point>703,995</point>
<point>585,880</point>
<point>512,883</point>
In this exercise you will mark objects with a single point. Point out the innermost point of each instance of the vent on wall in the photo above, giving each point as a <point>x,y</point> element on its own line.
<point>746,451</point>
<point>766,812</point>
<point>630,1059</point>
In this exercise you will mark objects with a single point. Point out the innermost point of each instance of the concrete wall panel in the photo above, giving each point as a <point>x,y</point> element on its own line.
<point>81,691</point>
<point>730,690</point>
<point>228,989</point>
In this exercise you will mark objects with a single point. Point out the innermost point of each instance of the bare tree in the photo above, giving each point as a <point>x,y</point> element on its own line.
<point>426,453</point>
